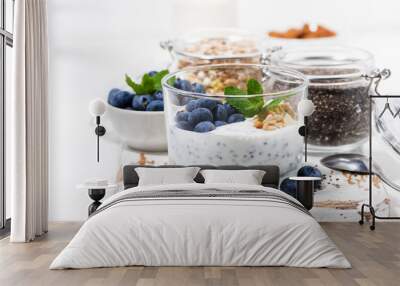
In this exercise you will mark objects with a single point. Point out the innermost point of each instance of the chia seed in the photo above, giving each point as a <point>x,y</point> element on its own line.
<point>341,113</point>
<point>341,107</point>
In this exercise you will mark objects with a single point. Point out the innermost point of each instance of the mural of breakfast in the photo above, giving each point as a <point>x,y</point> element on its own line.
<point>199,142</point>
<point>235,97</point>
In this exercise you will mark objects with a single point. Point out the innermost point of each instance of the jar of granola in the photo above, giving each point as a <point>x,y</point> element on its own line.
<point>216,46</point>
<point>338,90</point>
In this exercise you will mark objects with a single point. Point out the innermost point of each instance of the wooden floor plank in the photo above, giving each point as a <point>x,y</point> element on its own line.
<point>375,257</point>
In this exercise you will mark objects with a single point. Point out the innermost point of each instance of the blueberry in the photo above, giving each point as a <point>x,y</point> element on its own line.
<point>199,115</point>
<point>126,97</point>
<point>140,102</point>
<point>207,103</point>
<point>155,105</point>
<point>120,98</point>
<point>184,125</point>
<point>192,105</point>
<point>203,102</point>
<point>182,116</point>
<point>198,88</point>
<point>113,92</point>
<point>309,171</point>
<point>158,95</point>
<point>204,126</point>
<point>152,73</point>
<point>178,83</point>
<point>289,187</point>
<point>236,117</point>
<point>229,109</point>
<point>111,96</point>
<point>219,123</point>
<point>185,100</point>
<point>220,113</point>
<point>186,85</point>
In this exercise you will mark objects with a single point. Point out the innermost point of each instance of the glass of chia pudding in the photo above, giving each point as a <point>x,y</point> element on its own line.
<point>234,114</point>
<point>338,91</point>
<point>214,46</point>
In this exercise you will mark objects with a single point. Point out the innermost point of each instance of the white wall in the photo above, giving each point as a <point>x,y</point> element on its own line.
<point>370,24</point>
<point>93,43</point>
<point>344,15</point>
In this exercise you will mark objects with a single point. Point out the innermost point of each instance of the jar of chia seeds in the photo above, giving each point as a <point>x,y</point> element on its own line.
<point>249,118</point>
<point>215,46</point>
<point>338,91</point>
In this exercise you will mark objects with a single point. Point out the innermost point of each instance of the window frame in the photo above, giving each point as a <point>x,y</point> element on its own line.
<point>6,39</point>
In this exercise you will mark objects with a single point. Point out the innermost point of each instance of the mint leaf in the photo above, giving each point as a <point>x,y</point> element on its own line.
<point>171,81</point>
<point>257,103</point>
<point>254,87</point>
<point>231,90</point>
<point>137,88</point>
<point>148,84</point>
<point>273,103</point>
<point>247,106</point>
<point>250,106</point>
<point>158,77</point>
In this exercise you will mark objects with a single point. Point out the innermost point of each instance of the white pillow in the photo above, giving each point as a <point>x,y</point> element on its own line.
<point>247,177</point>
<point>166,176</point>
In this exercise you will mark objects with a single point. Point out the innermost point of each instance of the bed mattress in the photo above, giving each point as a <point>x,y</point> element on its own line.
<point>201,225</point>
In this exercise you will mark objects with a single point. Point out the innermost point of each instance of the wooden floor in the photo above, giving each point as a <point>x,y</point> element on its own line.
<point>375,257</point>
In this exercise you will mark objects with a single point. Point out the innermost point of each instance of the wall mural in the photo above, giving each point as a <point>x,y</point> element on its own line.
<point>245,114</point>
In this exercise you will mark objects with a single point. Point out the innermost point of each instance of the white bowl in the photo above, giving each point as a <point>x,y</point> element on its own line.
<point>141,130</point>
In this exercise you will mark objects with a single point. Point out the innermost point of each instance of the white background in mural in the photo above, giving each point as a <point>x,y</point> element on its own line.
<point>93,43</point>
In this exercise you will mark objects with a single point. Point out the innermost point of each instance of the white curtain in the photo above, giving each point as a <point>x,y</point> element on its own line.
<point>28,120</point>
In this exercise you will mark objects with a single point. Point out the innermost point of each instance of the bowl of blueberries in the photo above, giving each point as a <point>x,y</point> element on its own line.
<point>137,116</point>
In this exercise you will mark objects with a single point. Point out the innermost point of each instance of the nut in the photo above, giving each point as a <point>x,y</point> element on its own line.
<point>258,124</point>
<point>275,117</point>
<point>230,82</point>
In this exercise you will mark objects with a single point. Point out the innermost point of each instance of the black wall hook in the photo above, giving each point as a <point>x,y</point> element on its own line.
<point>303,132</point>
<point>99,131</point>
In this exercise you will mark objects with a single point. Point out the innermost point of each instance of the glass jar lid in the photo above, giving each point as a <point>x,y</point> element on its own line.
<point>218,44</point>
<point>276,81</point>
<point>325,62</point>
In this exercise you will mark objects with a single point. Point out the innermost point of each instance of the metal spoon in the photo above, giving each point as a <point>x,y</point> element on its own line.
<point>358,164</point>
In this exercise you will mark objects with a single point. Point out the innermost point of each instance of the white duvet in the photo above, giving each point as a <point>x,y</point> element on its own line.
<point>199,231</point>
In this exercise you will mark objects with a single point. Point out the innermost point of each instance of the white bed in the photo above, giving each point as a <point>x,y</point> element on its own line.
<point>203,231</point>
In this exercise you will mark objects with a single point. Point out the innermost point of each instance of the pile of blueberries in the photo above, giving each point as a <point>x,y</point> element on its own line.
<point>128,100</point>
<point>188,86</point>
<point>289,186</point>
<point>204,115</point>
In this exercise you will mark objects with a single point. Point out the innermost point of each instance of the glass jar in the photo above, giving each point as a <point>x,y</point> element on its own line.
<point>256,129</point>
<point>338,91</point>
<point>215,46</point>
